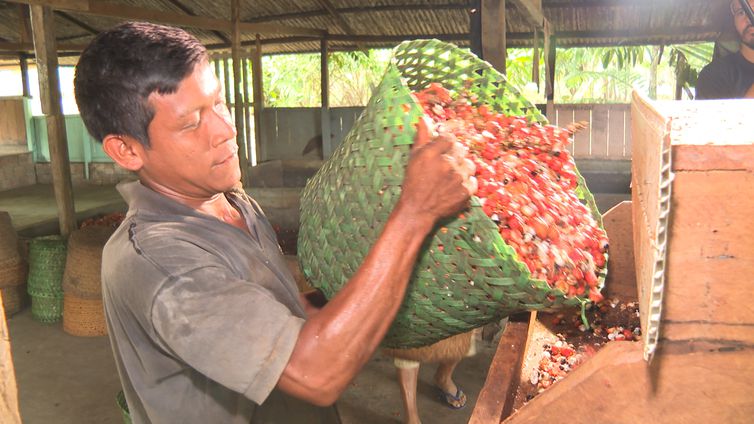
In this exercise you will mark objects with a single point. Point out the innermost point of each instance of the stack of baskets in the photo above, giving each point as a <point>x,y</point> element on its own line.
<point>46,265</point>
<point>83,313</point>
<point>13,268</point>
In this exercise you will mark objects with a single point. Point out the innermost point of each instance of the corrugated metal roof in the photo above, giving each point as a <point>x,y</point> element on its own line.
<point>384,23</point>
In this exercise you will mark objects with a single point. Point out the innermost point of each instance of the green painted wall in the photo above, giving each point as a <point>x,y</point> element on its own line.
<point>81,146</point>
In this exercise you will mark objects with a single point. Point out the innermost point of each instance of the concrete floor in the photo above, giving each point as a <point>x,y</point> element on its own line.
<point>65,379</point>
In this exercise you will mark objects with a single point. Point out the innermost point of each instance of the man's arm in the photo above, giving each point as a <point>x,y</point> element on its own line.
<point>749,93</point>
<point>336,342</point>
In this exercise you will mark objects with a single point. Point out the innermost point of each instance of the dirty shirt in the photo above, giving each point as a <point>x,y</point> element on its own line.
<point>202,316</point>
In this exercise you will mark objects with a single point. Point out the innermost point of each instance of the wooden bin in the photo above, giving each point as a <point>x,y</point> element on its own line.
<point>693,236</point>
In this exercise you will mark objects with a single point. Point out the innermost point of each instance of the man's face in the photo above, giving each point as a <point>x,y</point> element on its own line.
<point>193,148</point>
<point>743,26</point>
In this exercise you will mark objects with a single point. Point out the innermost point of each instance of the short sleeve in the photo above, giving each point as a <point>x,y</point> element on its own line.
<point>232,331</point>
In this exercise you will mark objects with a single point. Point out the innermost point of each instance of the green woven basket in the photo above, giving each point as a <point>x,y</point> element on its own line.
<point>346,204</point>
<point>47,257</point>
<point>120,399</point>
<point>46,309</point>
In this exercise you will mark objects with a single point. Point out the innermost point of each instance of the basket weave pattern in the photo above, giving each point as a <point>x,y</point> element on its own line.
<point>475,277</point>
<point>46,265</point>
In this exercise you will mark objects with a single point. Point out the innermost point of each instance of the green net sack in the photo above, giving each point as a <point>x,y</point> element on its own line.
<point>476,277</point>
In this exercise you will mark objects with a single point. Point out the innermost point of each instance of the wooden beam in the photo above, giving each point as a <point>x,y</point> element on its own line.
<point>550,54</point>
<point>117,10</point>
<point>9,412</point>
<point>257,87</point>
<point>24,65</point>
<point>29,47</point>
<point>344,26</point>
<point>187,10</point>
<point>24,22</point>
<point>43,27</point>
<point>325,93</point>
<point>243,161</point>
<point>532,11</point>
<point>475,27</point>
<point>493,33</point>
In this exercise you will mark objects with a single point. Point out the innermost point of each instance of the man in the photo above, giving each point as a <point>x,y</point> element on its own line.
<point>205,320</point>
<point>732,76</point>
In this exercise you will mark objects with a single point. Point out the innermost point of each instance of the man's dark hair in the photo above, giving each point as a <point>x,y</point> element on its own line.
<point>124,65</point>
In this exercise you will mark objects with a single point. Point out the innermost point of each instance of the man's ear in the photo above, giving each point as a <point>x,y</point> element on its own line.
<point>126,151</point>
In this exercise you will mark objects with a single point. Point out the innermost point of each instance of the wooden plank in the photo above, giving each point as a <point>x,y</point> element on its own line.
<point>503,376</point>
<point>243,160</point>
<point>582,139</point>
<point>43,27</point>
<point>117,10</point>
<point>550,50</point>
<point>703,158</point>
<point>9,412</point>
<point>616,135</point>
<point>257,83</point>
<point>493,33</point>
<point>711,249</point>
<point>650,130</point>
<point>690,382</point>
<point>621,276</point>
<point>599,131</point>
<point>247,130</point>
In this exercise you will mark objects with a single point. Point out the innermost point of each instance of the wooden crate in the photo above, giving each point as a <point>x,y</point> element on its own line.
<point>693,167</point>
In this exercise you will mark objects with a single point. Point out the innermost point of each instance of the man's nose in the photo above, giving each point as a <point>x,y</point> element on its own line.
<point>223,127</point>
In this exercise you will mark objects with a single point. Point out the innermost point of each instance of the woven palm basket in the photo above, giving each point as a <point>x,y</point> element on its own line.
<point>83,317</point>
<point>14,299</point>
<point>13,273</point>
<point>46,265</point>
<point>82,275</point>
<point>476,278</point>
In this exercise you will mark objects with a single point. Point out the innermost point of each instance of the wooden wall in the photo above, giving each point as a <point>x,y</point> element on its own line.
<point>285,131</point>
<point>12,122</point>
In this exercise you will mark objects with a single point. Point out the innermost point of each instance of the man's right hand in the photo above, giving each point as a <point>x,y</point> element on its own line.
<point>439,179</point>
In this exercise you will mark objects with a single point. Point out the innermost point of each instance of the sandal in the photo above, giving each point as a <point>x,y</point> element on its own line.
<point>456,401</point>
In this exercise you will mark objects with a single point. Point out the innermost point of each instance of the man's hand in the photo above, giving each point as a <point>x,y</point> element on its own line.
<point>439,179</point>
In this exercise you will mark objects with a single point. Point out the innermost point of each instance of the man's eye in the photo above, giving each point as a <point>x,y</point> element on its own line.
<point>191,126</point>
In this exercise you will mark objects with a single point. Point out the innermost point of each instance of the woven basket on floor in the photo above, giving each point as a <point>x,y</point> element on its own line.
<point>14,299</point>
<point>83,317</point>
<point>46,309</point>
<point>46,266</point>
<point>476,278</point>
<point>82,276</point>
<point>120,399</point>
<point>13,273</point>
<point>8,239</point>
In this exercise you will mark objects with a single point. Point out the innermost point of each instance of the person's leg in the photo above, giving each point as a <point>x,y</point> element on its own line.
<point>454,396</point>
<point>408,375</point>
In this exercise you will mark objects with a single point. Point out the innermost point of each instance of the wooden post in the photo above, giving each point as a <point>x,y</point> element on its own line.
<point>43,27</point>
<point>257,87</point>
<point>239,100</point>
<point>535,60</point>
<point>475,27</point>
<point>8,391</point>
<point>325,91</point>
<point>246,107</point>
<point>25,90</point>
<point>550,45</point>
<point>493,33</point>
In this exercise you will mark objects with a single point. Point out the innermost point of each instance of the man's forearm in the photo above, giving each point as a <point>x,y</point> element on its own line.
<point>339,339</point>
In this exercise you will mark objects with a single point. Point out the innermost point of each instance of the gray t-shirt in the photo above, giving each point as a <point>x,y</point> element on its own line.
<point>202,316</point>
